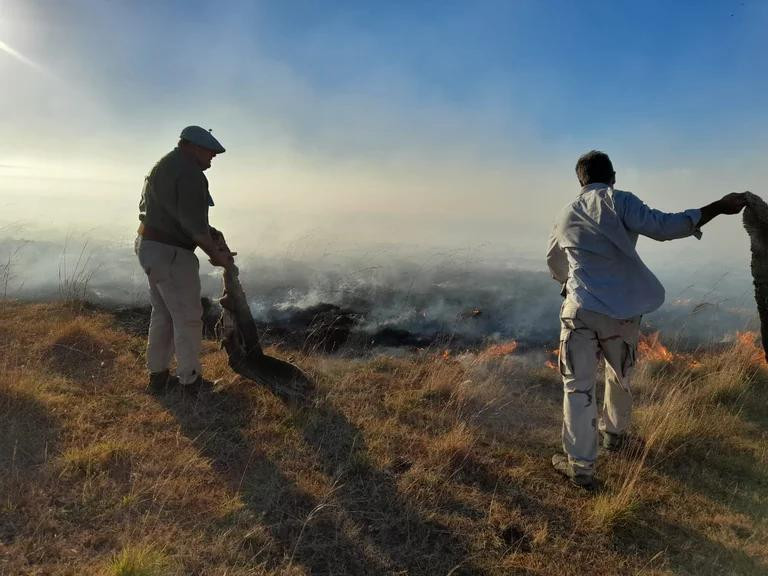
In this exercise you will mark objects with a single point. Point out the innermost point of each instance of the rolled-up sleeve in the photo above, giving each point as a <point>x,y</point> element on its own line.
<point>192,203</point>
<point>641,219</point>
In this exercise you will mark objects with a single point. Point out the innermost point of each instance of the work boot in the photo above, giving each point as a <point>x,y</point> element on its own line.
<point>563,466</point>
<point>613,442</point>
<point>161,382</point>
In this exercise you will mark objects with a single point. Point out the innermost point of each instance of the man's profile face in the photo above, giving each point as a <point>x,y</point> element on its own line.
<point>202,156</point>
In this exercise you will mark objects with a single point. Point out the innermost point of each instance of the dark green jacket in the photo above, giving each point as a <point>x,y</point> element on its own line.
<point>175,199</point>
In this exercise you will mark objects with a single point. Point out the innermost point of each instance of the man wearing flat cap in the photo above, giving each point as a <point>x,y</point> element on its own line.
<point>174,221</point>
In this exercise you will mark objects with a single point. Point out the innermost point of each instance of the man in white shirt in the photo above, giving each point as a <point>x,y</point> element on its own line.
<point>607,289</point>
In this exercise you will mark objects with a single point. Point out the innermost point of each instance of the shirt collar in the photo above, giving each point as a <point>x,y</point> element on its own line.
<point>594,186</point>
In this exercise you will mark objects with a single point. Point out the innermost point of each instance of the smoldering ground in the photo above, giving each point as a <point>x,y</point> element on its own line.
<point>355,301</point>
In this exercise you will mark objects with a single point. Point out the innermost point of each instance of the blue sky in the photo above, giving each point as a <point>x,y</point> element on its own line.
<point>444,122</point>
<point>697,69</point>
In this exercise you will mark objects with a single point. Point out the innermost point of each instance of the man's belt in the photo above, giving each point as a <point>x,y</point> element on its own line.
<point>155,235</point>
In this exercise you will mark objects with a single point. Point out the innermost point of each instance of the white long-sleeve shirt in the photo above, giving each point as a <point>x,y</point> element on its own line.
<point>592,250</point>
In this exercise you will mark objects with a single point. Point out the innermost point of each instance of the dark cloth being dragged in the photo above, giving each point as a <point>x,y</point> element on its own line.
<point>755,220</point>
<point>240,339</point>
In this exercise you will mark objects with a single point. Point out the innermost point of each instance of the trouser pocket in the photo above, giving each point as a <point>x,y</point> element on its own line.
<point>565,354</point>
<point>628,358</point>
<point>630,331</point>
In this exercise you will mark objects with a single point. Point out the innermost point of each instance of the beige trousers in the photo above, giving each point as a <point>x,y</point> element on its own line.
<point>176,323</point>
<point>585,338</point>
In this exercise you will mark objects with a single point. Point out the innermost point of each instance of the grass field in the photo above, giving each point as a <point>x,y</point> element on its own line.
<point>429,463</point>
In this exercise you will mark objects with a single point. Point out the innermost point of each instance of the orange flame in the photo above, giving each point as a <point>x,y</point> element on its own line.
<point>650,348</point>
<point>747,342</point>
<point>499,350</point>
<point>553,363</point>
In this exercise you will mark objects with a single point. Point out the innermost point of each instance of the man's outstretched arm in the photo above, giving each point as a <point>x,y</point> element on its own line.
<point>641,219</point>
<point>729,204</point>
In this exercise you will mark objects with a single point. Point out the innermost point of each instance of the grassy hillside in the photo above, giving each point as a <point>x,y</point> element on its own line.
<point>429,463</point>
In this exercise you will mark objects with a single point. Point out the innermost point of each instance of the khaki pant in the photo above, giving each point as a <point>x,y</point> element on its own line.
<point>585,337</point>
<point>176,323</point>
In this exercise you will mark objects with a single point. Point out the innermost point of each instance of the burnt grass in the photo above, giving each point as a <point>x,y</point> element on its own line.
<point>324,328</point>
<point>434,461</point>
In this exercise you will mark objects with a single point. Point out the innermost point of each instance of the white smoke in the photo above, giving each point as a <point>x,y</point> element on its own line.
<point>428,295</point>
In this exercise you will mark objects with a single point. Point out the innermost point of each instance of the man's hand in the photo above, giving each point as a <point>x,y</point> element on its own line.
<point>731,203</point>
<point>214,245</point>
<point>222,257</point>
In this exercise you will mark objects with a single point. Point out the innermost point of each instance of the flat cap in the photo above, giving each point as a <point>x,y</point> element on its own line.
<point>202,138</point>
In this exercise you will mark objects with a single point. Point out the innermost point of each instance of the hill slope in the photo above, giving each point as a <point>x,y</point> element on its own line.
<point>428,463</point>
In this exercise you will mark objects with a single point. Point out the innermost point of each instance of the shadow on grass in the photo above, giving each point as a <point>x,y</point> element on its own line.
<point>725,474</point>
<point>365,527</point>
<point>528,412</point>
<point>27,434</point>
<point>725,471</point>
<point>215,424</point>
<point>27,430</point>
<point>683,550</point>
<point>754,408</point>
<point>370,497</point>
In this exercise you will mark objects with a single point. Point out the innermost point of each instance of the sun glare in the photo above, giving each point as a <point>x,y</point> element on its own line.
<point>19,56</point>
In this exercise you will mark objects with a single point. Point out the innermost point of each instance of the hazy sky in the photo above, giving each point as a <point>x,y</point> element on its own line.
<point>347,124</point>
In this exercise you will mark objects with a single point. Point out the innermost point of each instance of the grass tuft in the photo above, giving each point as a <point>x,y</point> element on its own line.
<point>139,561</point>
<point>613,510</point>
<point>453,449</point>
<point>80,351</point>
<point>109,457</point>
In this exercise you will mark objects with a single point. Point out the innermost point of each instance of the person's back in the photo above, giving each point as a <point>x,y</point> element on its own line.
<point>595,236</point>
<point>607,289</point>
<point>175,199</point>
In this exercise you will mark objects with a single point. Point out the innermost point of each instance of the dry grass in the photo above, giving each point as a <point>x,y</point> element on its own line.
<point>691,410</point>
<point>99,458</point>
<point>139,561</point>
<point>430,463</point>
<point>75,275</point>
